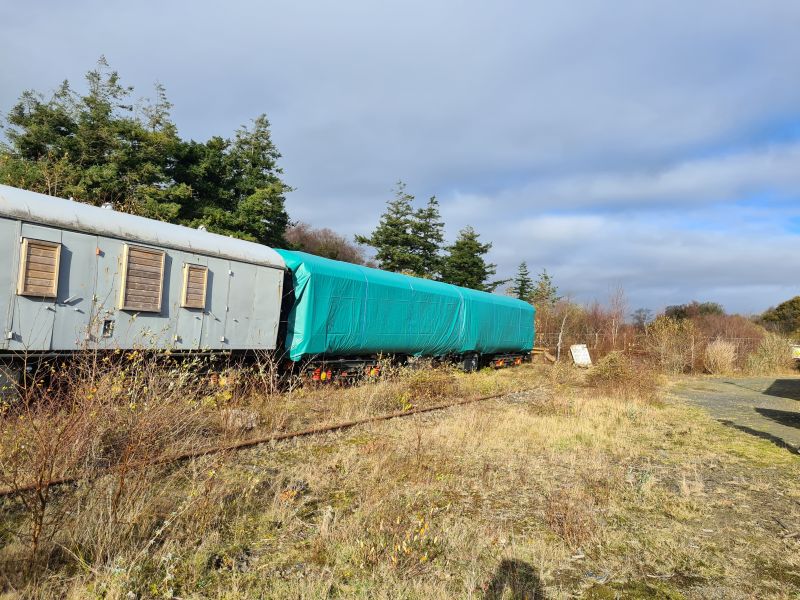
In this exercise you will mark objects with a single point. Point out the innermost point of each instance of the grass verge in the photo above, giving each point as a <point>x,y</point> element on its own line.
<point>570,485</point>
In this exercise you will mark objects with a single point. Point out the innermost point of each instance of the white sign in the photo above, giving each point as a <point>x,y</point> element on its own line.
<point>580,355</point>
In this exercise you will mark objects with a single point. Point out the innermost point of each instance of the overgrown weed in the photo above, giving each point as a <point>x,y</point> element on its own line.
<point>618,375</point>
<point>770,357</point>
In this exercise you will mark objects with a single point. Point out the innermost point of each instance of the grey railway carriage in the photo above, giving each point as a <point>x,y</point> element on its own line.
<point>75,276</point>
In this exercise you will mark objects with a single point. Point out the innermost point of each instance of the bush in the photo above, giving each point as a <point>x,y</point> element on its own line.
<point>613,367</point>
<point>671,342</point>
<point>620,376</point>
<point>100,418</point>
<point>771,356</point>
<point>719,357</point>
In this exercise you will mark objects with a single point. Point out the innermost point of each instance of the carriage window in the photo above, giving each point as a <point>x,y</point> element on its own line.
<point>195,278</point>
<point>38,269</point>
<point>142,279</point>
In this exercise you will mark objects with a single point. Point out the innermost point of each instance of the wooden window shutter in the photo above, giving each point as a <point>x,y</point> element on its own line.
<point>195,279</point>
<point>38,269</point>
<point>142,279</point>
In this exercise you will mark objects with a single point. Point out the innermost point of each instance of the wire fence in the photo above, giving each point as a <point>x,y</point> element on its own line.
<point>601,343</point>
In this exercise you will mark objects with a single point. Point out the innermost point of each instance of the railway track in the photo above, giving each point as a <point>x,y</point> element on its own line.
<point>38,486</point>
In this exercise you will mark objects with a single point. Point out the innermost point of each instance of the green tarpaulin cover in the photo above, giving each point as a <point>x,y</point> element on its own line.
<point>346,309</point>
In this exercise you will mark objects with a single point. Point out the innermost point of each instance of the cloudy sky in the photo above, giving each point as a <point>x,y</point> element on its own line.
<point>649,145</point>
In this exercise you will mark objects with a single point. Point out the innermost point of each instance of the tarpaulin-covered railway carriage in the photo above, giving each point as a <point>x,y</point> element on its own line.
<point>75,276</point>
<point>349,311</point>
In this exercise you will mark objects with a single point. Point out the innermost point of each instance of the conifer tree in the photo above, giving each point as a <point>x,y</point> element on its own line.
<point>465,265</point>
<point>102,146</point>
<point>544,293</point>
<point>407,240</point>
<point>785,317</point>
<point>394,237</point>
<point>522,284</point>
<point>428,237</point>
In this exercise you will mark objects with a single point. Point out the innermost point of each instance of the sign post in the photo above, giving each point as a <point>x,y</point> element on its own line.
<point>580,355</point>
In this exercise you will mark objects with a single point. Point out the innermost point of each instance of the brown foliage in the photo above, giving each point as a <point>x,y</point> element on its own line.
<point>771,356</point>
<point>619,375</point>
<point>325,242</point>
<point>570,514</point>
<point>719,357</point>
<point>101,418</point>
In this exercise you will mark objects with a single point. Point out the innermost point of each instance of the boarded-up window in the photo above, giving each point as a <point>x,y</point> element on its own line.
<point>38,268</point>
<point>195,278</point>
<point>142,279</point>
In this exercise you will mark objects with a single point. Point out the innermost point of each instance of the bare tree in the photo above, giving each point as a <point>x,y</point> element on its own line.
<point>618,305</point>
<point>325,242</point>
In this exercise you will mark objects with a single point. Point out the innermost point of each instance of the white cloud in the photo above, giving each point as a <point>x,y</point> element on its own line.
<point>728,177</point>
<point>656,262</point>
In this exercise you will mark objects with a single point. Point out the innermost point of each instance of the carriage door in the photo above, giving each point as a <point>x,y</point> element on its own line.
<point>216,312</point>
<point>36,288</point>
<point>9,246</point>
<point>76,284</point>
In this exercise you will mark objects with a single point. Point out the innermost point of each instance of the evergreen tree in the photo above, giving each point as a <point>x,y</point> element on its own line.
<point>465,265</point>
<point>102,147</point>
<point>522,284</point>
<point>394,237</point>
<point>544,293</point>
<point>237,185</point>
<point>95,147</point>
<point>693,309</point>
<point>785,317</point>
<point>428,236</point>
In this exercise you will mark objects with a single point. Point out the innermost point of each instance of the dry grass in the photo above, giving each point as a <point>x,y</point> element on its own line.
<point>107,419</point>
<point>719,357</point>
<point>676,346</point>
<point>89,416</point>
<point>618,375</point>
<point>772,356</point>
<point>671,344</point>
<point>568,489</point>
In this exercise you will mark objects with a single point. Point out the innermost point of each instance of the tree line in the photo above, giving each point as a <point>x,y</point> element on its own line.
<point>102,146</point>
<point>411,240</point>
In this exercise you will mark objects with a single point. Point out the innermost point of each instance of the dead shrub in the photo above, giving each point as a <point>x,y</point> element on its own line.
<point>325,242</point>
<point>415,387</point>
<point>671,343</point>
<point>570,514</point>
<point>771,356</point>
<point>719,357</point>
<point>618,375</point>
<point>99,418</point>
<point>613,367</point>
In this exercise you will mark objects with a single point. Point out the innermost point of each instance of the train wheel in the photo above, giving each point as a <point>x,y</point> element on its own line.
<point>470,363</point>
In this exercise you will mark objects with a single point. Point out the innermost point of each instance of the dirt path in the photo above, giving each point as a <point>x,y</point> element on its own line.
<point>762,406</point>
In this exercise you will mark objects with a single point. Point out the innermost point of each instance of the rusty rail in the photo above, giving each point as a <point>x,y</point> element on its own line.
<point>243,444</point>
